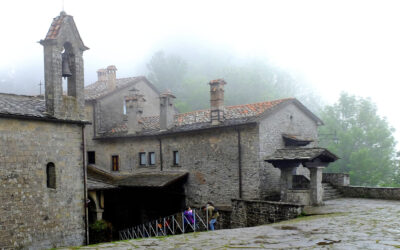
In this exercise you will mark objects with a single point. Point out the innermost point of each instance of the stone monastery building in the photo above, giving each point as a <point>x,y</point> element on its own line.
<point>119,150</point>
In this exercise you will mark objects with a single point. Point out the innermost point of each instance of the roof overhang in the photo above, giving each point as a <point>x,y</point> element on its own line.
<point>293,140</point>
<point>99,179</point>
<point>292,156</point>
<point>151,179</point>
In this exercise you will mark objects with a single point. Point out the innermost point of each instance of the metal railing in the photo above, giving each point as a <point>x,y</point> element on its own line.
<point>170,225</point>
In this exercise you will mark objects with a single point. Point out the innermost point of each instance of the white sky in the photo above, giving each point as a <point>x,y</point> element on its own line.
<point>351,46</point>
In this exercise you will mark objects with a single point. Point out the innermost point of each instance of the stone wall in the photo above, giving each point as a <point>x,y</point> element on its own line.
<point>210,157</point>
<point>370,192</point>
<point>336,179</point>
<point>298,196</point>
<point>31,214</point>
<point>249,213</point>
<point>289,120</point>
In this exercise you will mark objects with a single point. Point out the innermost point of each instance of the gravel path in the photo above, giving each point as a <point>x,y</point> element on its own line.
<point>340,224</point>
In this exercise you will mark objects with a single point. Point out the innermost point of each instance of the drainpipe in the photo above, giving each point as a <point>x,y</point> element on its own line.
<point>161,159</point>
<point>239,163</point>
<point>85,185</point>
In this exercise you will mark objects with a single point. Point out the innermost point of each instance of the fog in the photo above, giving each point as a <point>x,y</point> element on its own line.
<point>333,46</point>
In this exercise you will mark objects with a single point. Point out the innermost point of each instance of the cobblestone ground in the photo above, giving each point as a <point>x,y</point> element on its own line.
<point>340,224</point>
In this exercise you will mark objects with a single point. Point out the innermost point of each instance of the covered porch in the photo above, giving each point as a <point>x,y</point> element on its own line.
<point>301,189</point>
<point>128,199</point>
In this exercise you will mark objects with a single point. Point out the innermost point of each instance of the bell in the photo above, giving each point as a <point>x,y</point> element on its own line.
<point>66,72</point>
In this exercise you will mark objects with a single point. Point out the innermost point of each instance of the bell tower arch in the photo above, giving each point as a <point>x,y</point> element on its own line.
<point>63,57</point>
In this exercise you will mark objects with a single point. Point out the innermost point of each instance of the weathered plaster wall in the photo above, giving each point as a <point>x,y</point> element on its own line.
<point>288,120</point>
<point>111,107</point>
<point>32,215</point>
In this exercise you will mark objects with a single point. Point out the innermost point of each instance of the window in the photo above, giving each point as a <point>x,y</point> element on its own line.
<point>115,162</point>
<point>142,158</point>
<point>152,158</point>
<point>91,157</point>
<point>176,157</point>
<point>51,175</point>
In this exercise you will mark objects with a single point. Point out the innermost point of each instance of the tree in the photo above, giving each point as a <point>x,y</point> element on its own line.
<point>249,80</point>
<point>366,144</point>
<point>166,72</point>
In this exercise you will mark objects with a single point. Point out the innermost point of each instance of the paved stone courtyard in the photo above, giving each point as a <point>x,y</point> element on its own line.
<point>340,224</point>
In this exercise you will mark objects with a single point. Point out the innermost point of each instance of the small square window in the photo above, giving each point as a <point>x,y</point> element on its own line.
<point>115,163</point>
<point>176,157</point>
<point>142,158</point>
<point>152,158</point>
<point>91,157</point>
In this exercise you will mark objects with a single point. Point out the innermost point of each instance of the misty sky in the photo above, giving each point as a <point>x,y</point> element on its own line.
<point>351,46</point>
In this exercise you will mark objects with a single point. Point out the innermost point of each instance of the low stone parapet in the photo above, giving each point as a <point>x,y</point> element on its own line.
<point>298,196</point>
<point>370,192</point>
<point>336,179</point>
<point>248,213</point>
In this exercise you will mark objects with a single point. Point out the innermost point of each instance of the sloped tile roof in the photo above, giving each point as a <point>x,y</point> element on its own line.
<point>100,179</point>
<point>22,105</point>
<point>231,112</point>
<point>93,184</point>
<point>55,27</point>
<point>301,154</point>
<point>99,89</point>
<point>151,179</point>
<point>200,119</point>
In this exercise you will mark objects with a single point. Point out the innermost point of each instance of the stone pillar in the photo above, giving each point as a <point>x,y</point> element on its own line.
<point>134,110</point>
<point>99,210</point>
<point>167,111</point>
<point>316,192</point>
<point>286,181</point>
<point>111,77</point>
<point>217,101</point>
<point>102,75</point>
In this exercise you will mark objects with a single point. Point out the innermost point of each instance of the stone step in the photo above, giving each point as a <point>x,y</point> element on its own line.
<point>330,192</point>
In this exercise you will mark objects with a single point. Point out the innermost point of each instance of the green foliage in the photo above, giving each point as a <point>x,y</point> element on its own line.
<point>249,81</point>
<point>100,231</point>
<point>366,144</point>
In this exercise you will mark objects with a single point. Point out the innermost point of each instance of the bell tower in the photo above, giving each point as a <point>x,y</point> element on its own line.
<point>63,50</point>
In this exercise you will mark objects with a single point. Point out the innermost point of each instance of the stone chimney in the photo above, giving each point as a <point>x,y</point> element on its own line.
<point>134,110</point>
<point>102,75</point>
<point>111,77</point>
<point>217,101</point>
<point>167,111</point>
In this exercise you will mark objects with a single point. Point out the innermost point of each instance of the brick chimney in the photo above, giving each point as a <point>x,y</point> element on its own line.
<point>217,101</point>
<point>134,110</point>
<point>102,75</point>
<point>111,77</point>
<point>167,111</point>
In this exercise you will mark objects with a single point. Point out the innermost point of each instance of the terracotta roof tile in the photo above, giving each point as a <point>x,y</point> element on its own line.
<point>55,27</point>
<point>99,89</point>
<point>234,115</point>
